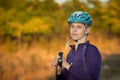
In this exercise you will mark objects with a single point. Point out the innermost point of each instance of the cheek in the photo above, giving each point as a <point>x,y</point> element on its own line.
<point>70,31</point>
<point>81,32</point>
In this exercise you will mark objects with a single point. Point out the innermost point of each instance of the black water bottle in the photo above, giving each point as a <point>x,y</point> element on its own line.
<point>60,59</point>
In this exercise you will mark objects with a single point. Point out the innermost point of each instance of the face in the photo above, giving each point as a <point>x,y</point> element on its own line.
<point>77,30</point>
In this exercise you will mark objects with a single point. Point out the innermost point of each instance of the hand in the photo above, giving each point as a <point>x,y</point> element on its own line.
<point>55,62</point>
<point>65,64</point>
<point>56,66</point>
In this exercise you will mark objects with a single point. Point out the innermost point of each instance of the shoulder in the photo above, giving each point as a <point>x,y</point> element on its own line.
<point>93,47</point>
<point>92,50</point>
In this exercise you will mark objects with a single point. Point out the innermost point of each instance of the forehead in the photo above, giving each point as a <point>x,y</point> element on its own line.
<point>81,24</point>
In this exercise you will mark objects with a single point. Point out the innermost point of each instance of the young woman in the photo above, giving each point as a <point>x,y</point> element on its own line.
<point>84,60</point>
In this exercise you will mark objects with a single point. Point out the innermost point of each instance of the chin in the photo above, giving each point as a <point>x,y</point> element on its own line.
<point>75,38</point>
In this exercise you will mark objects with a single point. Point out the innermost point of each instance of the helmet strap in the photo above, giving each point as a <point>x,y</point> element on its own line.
<point>86,26</point>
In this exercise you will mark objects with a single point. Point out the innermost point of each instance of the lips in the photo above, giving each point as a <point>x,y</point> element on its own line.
<point>74,34</point>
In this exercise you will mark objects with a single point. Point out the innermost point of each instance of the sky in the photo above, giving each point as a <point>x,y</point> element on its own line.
<point>62,1</point>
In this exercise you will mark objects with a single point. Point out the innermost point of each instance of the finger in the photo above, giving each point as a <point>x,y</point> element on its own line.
<point>54,62</point>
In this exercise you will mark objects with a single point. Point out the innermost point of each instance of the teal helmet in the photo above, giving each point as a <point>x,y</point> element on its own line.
<point>80,16</point>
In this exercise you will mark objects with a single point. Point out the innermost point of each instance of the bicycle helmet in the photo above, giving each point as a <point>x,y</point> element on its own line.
<point>80,16</point>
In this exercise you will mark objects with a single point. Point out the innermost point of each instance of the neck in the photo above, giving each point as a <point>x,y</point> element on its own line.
<point>83,40</point>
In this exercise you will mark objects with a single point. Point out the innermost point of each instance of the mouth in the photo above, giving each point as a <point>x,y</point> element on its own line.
<point>74,34</point>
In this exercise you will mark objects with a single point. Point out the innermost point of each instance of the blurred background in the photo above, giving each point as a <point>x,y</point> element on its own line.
<point>32,32</point>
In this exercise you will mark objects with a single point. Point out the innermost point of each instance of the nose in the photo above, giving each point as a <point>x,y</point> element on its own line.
<point>74,29</point>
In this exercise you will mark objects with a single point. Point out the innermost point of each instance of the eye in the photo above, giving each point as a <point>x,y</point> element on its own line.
<point>79,26</point>
<point>71,26</point>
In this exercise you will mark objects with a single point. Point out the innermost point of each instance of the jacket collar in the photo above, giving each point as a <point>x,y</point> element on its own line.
<point>79,45</point>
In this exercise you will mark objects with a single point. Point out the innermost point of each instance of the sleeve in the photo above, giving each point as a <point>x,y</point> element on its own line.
<point>93,63</point>
<point>61,76</point>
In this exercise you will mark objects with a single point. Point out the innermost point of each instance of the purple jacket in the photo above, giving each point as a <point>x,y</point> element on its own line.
<point>85,63</point>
